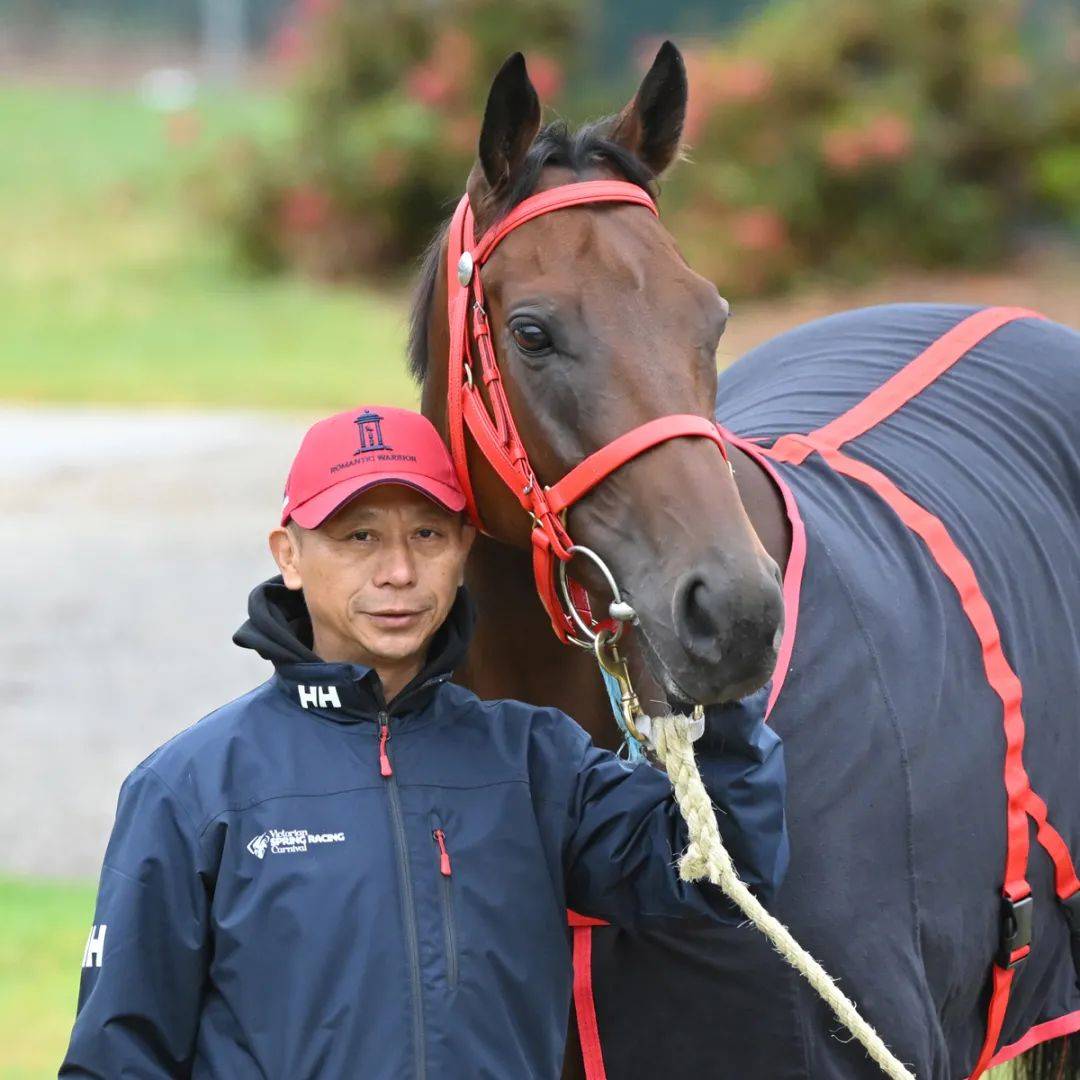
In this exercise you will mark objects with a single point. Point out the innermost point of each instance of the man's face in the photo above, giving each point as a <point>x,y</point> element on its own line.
<point>379,575</point>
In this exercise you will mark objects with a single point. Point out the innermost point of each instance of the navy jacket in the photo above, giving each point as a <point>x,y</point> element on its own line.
<point>281,899</point>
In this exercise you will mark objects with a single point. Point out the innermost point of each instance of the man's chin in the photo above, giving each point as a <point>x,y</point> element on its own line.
<point>395,647</point>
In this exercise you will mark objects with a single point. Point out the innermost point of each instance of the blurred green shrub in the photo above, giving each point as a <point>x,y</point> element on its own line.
<point>845,137</point>
<point>827,136</point>
<point>390,101</point>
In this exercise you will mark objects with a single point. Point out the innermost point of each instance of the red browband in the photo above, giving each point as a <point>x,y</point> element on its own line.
<point>495,433</point>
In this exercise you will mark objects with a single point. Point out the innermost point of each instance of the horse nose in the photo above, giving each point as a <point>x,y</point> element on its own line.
<point>726,627</point>
<point>698,617</point>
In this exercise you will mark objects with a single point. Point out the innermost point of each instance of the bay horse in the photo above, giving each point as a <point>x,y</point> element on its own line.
<point>894,547</point>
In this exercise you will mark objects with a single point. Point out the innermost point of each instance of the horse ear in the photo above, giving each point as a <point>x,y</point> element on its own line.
<point>651,125</point>
<point>511,121</point>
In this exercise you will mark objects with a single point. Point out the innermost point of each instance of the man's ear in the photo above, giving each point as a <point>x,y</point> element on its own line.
<point>285,548</point>
<point>651,125</point>
<point>468,536</point>
<point>511,121</point>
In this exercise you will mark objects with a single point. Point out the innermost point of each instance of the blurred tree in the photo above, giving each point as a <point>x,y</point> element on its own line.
<point>390,99</point>
<point>827,136</point>
<point>840,136</point>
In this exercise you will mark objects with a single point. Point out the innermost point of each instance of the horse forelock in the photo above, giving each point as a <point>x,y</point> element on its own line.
<point>555,145</point>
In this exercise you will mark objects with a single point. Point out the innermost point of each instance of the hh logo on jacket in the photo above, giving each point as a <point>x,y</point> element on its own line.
<point>323,697</point>
<point>289,841</point>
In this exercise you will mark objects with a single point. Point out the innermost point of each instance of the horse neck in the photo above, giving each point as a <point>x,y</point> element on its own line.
<point>764,506</point>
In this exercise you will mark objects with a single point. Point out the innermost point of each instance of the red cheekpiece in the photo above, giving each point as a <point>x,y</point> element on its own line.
<point>352,451</point>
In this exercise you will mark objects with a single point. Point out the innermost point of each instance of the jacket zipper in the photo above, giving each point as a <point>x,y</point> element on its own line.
<point>445,877</point>
<point>408,904</point>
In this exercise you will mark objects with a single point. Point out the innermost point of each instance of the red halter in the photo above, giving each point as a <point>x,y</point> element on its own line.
<point>496,434</point>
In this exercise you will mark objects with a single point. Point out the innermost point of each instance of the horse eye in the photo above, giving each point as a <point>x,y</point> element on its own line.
<point>530,337</point>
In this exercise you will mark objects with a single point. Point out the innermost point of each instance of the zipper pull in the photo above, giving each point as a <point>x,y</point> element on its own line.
<point>384,734</point>
<point>444,856</point>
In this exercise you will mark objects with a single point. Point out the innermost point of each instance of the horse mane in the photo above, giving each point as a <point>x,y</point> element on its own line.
<point>556,144</point>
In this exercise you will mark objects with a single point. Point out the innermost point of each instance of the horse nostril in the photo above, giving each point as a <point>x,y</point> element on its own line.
<point>735,630</point>
<point>697,617</point>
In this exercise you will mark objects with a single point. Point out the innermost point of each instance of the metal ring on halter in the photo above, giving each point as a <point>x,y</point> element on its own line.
<point>619,609</point>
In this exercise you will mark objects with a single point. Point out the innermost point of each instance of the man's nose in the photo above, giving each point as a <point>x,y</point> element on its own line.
<point>397,566</point>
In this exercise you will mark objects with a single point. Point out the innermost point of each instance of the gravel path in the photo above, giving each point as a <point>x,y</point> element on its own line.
<point>130,541</point>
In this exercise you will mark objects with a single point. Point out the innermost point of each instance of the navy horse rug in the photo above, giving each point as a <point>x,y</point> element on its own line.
<point>927,692</point>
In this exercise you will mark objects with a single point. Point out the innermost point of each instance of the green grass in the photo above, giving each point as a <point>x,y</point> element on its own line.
<point>43,928</point>
<point>112,288</point>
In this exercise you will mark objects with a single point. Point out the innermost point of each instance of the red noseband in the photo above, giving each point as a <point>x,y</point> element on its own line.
<point>495,433</point>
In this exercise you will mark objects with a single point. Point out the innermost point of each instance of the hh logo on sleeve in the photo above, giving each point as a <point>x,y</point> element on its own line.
<point>95,947</point>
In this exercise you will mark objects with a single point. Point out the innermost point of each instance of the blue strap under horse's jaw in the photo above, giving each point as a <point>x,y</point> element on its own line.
<point>635,750</point>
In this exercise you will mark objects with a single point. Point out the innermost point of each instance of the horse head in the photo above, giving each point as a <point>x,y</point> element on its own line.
<point>599,325</point>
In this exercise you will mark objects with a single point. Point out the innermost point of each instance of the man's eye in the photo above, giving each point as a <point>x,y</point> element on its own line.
<point>361,534</point>
<point>530,337</point>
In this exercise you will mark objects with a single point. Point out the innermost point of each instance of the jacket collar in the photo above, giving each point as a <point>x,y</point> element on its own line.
<point>278,628</point>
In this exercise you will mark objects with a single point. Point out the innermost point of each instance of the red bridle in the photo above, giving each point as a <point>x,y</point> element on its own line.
<point>496,434</point>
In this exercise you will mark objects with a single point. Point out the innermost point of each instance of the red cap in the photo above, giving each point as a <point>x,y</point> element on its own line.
<point>353,451</point>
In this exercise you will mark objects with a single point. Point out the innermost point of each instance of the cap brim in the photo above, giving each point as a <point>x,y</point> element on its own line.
<point>311,514</point>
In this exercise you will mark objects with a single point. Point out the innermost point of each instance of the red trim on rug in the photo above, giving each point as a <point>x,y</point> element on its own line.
<point>1040,1033</point>
<point>915,376</point>
<point>584,1005</point>
<point>793,572</point>
<point>574,919</point>
<point>912,379</point>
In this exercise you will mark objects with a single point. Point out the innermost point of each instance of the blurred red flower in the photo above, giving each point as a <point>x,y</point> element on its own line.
<point>546,74</point>
<point>428,85</point>
<point>889,137</point>
<point>760,229</point>
<point>844,149</point>
<point>742,80</point>
<point>443,78</point>
<point>290,45</point>
<point>305,208</point>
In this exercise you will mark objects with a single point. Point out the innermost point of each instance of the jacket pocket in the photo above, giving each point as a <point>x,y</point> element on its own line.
<point>446,877</point>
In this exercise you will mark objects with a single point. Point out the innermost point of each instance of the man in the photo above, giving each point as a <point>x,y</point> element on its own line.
<point>360,869</point>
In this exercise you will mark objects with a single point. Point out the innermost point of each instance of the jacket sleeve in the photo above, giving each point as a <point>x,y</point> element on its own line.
<point>626,831</point>
<point>147,954</point>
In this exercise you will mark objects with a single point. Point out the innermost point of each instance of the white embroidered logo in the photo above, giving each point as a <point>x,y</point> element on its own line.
<point>324,697</point>
<point>289,841</point>
<point>95,947</point>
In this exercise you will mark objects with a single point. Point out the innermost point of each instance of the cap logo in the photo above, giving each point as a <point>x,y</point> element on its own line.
<point>369,425</point>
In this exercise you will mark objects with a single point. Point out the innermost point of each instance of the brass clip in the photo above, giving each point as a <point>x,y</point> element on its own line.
<point>607,656</point>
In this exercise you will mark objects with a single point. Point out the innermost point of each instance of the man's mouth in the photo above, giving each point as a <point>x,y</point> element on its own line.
<point>395,618</point>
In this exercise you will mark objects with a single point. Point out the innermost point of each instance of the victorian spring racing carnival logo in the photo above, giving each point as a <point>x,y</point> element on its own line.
<point>289,841</point>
